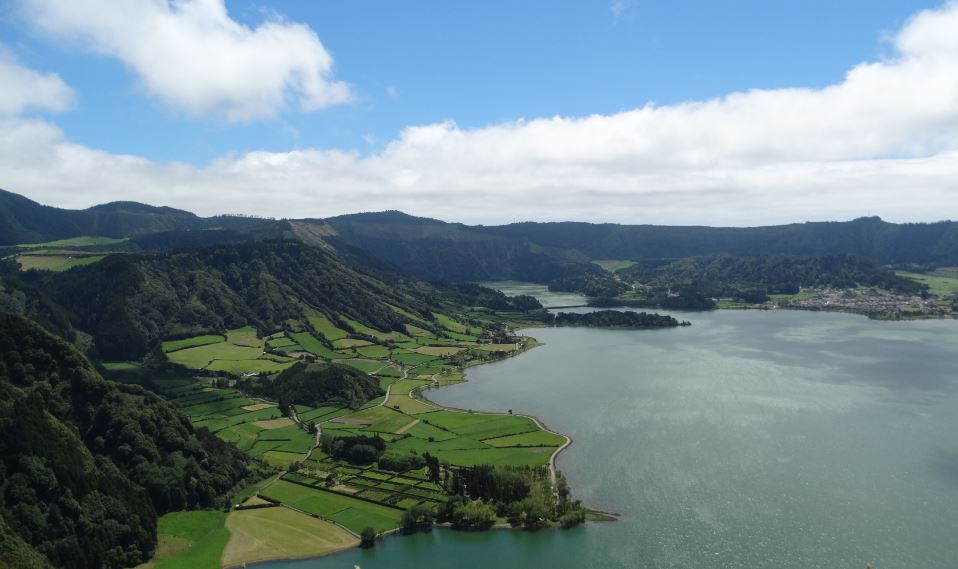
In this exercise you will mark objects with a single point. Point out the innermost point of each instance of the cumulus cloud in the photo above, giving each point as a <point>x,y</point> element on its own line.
<point>193,56</point>
<point>883,141</point>
<point>27,89</point>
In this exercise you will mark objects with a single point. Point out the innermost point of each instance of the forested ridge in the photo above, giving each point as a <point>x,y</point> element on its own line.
<point>128,302</point>
<point>86,464</point>
<point>23,220</point>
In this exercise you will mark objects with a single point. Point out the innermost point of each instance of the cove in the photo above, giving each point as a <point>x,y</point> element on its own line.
<point>752,439</point>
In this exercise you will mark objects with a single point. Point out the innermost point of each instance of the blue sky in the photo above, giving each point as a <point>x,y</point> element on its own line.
<point>482,63</point>
<point>411,98</point>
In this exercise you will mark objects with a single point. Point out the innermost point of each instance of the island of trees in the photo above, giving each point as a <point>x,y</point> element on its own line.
<point>617,319</point>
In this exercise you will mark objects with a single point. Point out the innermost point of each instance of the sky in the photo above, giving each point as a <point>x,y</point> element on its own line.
<point>707,113</point>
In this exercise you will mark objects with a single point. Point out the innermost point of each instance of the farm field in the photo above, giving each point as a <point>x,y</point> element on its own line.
<point>313,345</point>
<point>942,282</point>
<point>324,326</point>
<point>333,491</point>
<point>83,241</point>
<point>239,352</point>
<point>190,540</point>
<point>361,328</point>
<point>173,345</point>
<point>254,427</point>
<point>613,265</point>
<point>280,533</point>
<point>352,513</point>
<point>399,397</point>
<point>55,262</point>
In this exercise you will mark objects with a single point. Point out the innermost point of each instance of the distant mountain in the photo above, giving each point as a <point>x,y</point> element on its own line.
<point>868,236</point>
<point>440,251</point>
<point>435,250</point>
<point>25,221</point>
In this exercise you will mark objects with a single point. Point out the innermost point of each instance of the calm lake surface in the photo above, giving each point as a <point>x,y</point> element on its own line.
<point>749,440</point>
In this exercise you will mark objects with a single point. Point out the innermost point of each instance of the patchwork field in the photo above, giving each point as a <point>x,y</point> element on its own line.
<point>322,491</point>
<point>239,352</point>
<point>352,513</point>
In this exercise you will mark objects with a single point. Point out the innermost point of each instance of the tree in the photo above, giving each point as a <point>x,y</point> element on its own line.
<point>367,538</point>
<point>418,516</point>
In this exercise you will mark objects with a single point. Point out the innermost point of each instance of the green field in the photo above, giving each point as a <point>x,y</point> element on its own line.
<point>416,330</point>
<point>55,262</point>
<point>361,328</point>
<point>281,342</point>
<point>450,324</point>
<point>943,282</point>
<point>373,352</point>
<point>245,336</point>
<point>121,366</point>
<point>173,345</point>
<point>368,366</point>
<point>325,327</point>
<point>239,367</point>
<point>350,512</point>
<point>84,241</point>
<point>399,397</point>
<point>311,344</point>
<point>201,356</point>
<point>537,439</point>
<point>414,317</point>
<point>350,343</point>
<point>190,540</point>
<point>613,265</point>
<point>413,359</point>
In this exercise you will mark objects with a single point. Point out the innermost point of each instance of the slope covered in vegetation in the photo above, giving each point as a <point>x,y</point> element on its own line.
<point>86,465</point>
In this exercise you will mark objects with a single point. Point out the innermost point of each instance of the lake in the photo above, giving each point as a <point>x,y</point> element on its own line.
<point>752,439</point>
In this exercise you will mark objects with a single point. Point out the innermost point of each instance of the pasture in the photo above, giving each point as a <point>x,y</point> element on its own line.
<point>361,328</point>
<point>83,241</point>
<point>190,540</point>
<point>173,345</point>
<point>613,265</point>
<point>942,282</point>
<point>312,344</point>
<point>324,326</point>
<point>280,533</point>
<point>245,336</point>
<point>55,262</point>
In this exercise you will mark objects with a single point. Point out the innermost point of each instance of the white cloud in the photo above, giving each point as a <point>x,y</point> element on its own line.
<point>192,56</point>
<point>884,141</point>
<point>27,89</point>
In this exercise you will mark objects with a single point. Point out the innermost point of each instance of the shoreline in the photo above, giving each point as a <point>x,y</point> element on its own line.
<point>418,394</point>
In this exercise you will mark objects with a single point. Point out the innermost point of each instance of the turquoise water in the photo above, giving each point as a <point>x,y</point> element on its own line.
<point>749,440</point>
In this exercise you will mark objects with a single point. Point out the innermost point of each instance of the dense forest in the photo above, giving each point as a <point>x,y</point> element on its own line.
<point>616,319</point>
<point>128,302</point>
<point>87,465</point>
